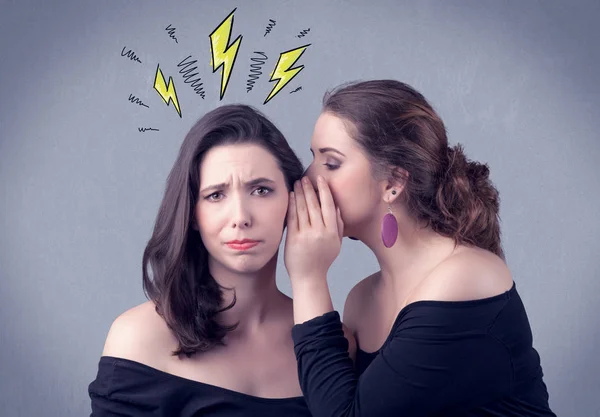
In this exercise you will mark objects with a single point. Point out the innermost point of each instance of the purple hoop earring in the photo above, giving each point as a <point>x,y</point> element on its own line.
<point>389,229</point>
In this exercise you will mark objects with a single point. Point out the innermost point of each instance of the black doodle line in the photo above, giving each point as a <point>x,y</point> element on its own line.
<point>171,32</point>
<point>255,71</point>
<point>130,54</point>
<point>270,26</point>
<point>187,75</point>
<point>303,33</point>
<point>297,89</point>
<point>143,129</point>
<point>136,100</point>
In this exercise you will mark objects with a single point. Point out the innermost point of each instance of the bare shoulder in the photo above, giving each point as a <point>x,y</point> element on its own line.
<point>358,299</point>
<point>139,334</point>
<point>468,274</point>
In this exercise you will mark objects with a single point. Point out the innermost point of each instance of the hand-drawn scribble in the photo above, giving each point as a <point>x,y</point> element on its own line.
<point>255,71</point>
<point>189,74</point>
<point>284,73</point>
<point>223,52</point>
<point>136,100</point>
<point>171,32</point>
<point>223,55</point>
<point>303,33</point>
<point>270,26</point>
<point>130,54</point>
<point>167,93</point>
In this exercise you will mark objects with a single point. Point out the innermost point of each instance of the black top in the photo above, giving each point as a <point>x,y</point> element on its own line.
<point>441,358</point>
<point>363,359</point>
<point>127,388</point>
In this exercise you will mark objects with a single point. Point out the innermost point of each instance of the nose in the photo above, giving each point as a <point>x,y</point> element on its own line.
<point>240,215</point>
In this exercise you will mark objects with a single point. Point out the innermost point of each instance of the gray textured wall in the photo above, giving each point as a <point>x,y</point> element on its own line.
<point>515,81</point>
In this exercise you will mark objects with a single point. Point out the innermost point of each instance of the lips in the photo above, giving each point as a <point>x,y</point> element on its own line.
<point>243,244</point>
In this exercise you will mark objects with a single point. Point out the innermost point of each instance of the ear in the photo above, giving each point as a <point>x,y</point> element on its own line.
<point>394,184</point>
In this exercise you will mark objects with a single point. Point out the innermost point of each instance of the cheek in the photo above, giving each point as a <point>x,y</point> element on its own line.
<point>344,191</point>
<point>274,213</point>
<point>206,228</point>
<point>352,196</point>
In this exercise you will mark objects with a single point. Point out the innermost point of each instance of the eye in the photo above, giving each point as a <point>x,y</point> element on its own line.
<point>331,167</point>
<point>262,191</point>
<point>216,196</point>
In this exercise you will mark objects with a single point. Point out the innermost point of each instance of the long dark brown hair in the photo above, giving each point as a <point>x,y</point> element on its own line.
<point>398,128</point>
<point>175,262</point>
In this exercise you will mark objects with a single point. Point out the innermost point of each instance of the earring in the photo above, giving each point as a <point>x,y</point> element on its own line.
<point>389,228</point>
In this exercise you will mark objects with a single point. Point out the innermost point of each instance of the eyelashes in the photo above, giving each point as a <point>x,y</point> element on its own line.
<point>217,195</point>
<point>331,167</point>
<point>266,189</point>
<point>211,197</point>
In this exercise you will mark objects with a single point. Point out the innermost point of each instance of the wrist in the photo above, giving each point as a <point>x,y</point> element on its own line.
<point>308,280</point>
<point>311,299</point>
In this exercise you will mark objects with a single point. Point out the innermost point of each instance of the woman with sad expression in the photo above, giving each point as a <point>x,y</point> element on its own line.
<point>214,337</point>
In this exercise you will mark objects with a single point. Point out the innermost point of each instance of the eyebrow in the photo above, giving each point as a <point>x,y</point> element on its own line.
<point>323,150</point>
<point>251,183</point>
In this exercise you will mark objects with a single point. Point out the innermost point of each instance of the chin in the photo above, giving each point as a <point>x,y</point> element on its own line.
<point>249,265</point>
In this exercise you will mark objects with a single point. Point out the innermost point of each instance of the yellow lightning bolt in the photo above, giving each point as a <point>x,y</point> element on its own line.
<point>224,53</point>
<point>284,72</point>
<point>167,93</point>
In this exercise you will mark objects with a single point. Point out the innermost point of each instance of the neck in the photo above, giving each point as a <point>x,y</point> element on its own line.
<point>417,250</point>
<point>256,295</point>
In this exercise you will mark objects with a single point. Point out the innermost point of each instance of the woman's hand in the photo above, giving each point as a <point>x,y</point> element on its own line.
<point>313,241</point>
<point>314,231</point>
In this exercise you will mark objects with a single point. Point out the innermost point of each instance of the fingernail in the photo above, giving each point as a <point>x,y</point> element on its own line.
<point>305,180</point>
<point>319,178</point>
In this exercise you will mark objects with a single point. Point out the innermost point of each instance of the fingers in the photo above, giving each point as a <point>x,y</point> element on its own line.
<point>328,208</point>
<point>312,203</point>
<point>292,217</point>
<point>340,224</point>
<point>301,209</point>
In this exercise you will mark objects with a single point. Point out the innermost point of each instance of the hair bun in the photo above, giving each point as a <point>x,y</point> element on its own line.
<point>460,167</point>
<point>469,202</point>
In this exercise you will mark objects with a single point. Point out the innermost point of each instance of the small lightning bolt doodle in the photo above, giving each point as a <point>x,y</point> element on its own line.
<point>224,53</point>
<point>167,93</point>
<point>284,73</point>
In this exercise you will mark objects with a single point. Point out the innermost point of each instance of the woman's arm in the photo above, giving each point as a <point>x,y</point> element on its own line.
<point>418,372</point>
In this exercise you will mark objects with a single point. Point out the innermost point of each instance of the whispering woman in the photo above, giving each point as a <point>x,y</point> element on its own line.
<point>440,327</point>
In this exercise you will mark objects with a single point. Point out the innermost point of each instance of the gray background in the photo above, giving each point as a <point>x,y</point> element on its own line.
<point>516,82</point>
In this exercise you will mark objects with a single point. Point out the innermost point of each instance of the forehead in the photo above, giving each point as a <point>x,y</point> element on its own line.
<point>242,160</point>
<point>331,130</point>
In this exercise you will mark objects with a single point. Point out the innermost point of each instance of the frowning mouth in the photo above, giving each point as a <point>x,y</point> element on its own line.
<point>243,244</point>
